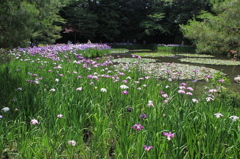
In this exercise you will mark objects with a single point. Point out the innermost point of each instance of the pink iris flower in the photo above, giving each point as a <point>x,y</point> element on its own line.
<point>124,92</point>
<point>147,148</point>
<point>137,127</point>
<point>168,135</point>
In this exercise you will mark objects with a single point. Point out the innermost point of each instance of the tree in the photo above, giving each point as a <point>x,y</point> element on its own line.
<point>49,21</point>
<point>15,26</point>
<point>154,25</point>
<point>108,20</point>
<point>80,20</point>
<point>217,32</point>
<point>132,14</point>
<point>178,12</point>
<point>22,20</point>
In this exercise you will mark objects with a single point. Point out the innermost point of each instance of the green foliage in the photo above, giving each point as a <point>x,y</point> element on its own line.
<point>178,12</point>
<point>17,23</point>
<point>224,81</point>
<point>80,20</point>
<point>4,57</point>
<point>98,120</point>
<point>108,20</point>
<point>176,48</point>
<point>216,33</point>
<point>25,20</point>
<point>90,53</point>
<point>125,20</point>
<point>231,98</point>
<point>132,14</point>
<point>135,47</point>
<point>153,24</point>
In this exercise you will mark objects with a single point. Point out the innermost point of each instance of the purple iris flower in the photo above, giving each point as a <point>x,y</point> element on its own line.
<point>90,76</point>
<point>137,127</point>
<point>143,116</point>
<point>129,109</point>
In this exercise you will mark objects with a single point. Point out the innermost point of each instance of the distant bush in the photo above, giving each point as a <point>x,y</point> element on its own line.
<point>131,46</point>
<point>176,48</point>
<point>88,53</point>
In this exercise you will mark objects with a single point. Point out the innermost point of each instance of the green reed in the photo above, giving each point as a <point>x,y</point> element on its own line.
<point>99,116</point>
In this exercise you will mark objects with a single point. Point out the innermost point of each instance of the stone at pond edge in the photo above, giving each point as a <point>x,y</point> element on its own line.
<point>237,79</point>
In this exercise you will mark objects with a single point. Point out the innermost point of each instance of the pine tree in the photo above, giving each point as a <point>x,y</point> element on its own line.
<point>217,32</point>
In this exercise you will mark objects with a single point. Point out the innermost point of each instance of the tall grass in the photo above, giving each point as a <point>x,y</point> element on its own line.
<point>4,57</point>
<point>97,105</point>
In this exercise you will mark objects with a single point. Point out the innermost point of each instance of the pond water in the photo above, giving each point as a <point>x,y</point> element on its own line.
<point>230,71</point>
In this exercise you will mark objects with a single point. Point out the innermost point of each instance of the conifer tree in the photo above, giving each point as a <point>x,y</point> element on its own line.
<point>217,32</point>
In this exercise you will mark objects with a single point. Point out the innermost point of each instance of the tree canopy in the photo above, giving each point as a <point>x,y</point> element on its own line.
<point>25,20</point>
<point>126,20</point>
<point>153,21</point>
<point>217,32</point>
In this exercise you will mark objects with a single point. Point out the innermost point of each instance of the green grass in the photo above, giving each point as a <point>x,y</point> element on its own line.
<point>4,57</point>
<point>100,122</point>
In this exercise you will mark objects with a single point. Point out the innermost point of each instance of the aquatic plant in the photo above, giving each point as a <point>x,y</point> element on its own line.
<point>174,71</point>
<point>114,51</point>
<point>210,61</point>
<point>194,55</point>
<point>133,60</point>
<point>157,54</point>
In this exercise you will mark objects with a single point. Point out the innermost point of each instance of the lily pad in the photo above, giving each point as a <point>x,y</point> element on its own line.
<point>157,54</point>
<point>114,51</point>
<point>142,50</point>
<point>195,55</point>
<point>174,71</point>
<point>210,61</point>
<point>133,60</point>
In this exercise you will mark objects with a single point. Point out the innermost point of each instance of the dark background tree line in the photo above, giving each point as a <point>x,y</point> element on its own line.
<point>125,20</point>
<point>107,21</point>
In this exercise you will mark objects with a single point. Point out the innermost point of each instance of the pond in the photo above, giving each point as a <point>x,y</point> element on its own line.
<point>230,71</point>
